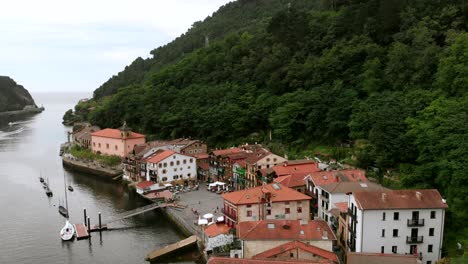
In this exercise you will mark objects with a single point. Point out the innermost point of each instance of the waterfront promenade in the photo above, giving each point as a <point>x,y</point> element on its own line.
<point>197,203</point>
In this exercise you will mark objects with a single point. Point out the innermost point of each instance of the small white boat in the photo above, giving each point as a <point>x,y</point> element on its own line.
<point>67,232</point>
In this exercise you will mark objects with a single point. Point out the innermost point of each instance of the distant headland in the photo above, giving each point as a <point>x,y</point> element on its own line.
<point>15,99</point>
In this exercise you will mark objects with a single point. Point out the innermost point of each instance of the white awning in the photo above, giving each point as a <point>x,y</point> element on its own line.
<point>202,221</point>
<point>206,216</point>
<point>220,219</point>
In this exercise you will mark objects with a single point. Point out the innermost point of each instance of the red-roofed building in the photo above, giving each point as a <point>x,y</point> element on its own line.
<point>319,178</point>
<point>397,221</point>
<point>260,236</point>
<point>119,142</point>
<point>379,258</point>
<point>167,166</point>
<point>300,251</point>
<point>271,201</point>
<point>224,260</point>
<point>294,181</point>
<point>144,186</point>
<point>217,235</point>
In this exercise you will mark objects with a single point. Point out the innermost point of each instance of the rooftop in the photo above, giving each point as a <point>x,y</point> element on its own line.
<point>293,180</point>
<point>326,177</point>
<point>160,156</point>
<point>377,258</point>
<point>295,245</point>
<point>399,199</point>
<point>221,152</point>
<point>225,260</point>
<point>216,230</point>
<point>346,187</point>
<point>115,133</point>
<point>284,229</point>
<point>144,184</point>
<point>276,191</point>
<point>290,167</point>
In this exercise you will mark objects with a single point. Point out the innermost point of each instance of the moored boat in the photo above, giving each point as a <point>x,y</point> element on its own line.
<point>70,188</point>
<point>67,232</point>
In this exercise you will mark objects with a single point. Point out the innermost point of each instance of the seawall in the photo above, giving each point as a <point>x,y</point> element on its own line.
<point>90,168</point>
<point>31,110</point>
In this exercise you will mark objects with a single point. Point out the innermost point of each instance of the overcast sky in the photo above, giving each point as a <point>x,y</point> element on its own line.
<point>59,45</point>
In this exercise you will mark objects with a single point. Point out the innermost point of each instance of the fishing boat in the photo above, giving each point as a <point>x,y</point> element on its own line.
<point>67,232</point>
<point>70,188</point>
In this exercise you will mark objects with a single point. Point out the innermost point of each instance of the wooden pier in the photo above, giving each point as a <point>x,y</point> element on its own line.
<point>81,231</point>
<point>170,249</point>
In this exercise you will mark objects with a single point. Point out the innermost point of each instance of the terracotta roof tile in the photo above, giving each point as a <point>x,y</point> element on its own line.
<point>399,199</point>
<point>377,258</point>
<point>294,180</point>
<point>204,166</point>
<point>279,193</point>
<point>271,253</point>
<point>160,156</point>
<point>346,187</point>
<point>326,177</point>
<point>282,170</point>
<point>343,207</point>
<point>115,133</point>
<point>223,260</point>
<point>216,229</point>
<point>284,229</point>
<point>144,184</point>
<point>201,156</point>
<point>220,152</point>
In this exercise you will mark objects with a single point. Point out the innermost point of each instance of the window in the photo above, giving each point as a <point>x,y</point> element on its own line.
<point>382,249</point>
<point>191,160</point>
<point>94,144</point>
<point>116,147</point>
<point>429,248</point>
<point>394,249</point>
<point>178,162</point>
<point>299,209</point>
<point>396,216</point>
<point>286,203</point>
<point>287,210</point>
<point>323,203</point>
<point>383,232</point>
<point>165,164</point>
<point>176,177</point>
<point>185,161</point>
<point>383,216</point>
<point>249,206</point>
<point>431,231</point>
<point>164,179</point>
<point>433,214</point>
<point>160,165</point>
<point>172,163</point>
<point>107,145</point>
<point>173,157</point>
<point>326,218</point>
<point>428,262</point>
<point>99,145</point>
<point>268,211</point>
<point>395,232</point>
<point>189,174</point>
<point>164,171</point>
<point>249,213</point>
<point>291,255</point>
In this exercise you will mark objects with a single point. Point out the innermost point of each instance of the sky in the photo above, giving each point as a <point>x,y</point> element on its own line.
<point>75,46</point>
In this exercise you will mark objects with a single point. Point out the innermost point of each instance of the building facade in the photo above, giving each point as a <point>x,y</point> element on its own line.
<point>167,166</point>
<point>118,142</point>
<point>398,221</point>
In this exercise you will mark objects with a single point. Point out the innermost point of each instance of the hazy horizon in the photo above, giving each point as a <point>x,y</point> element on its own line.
<point>57,46</point>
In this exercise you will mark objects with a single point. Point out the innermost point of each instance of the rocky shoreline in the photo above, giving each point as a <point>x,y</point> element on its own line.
<point>26,111</point>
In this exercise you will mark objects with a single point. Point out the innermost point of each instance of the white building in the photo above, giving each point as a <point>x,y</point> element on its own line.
<point>167,166</point>
<point>397,221</point>
<point>330,194</point>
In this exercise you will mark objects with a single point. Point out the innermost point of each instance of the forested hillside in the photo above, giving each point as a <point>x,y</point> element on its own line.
<point>389,76</point>
<point>13,96</point>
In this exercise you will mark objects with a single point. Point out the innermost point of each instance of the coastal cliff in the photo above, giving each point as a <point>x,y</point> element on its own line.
<point>15,99</point>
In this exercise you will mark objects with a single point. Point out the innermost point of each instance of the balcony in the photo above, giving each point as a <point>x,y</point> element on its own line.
<point>415,222</point>
<point>229,214</point>
<point>414,240</point>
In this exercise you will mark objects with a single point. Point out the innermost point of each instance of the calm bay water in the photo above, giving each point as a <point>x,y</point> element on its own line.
<point>29,220</point>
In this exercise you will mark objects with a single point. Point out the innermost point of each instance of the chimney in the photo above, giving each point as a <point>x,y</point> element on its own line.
<point>384,197</point>
<point>418,195</point>
<point>325,235</point>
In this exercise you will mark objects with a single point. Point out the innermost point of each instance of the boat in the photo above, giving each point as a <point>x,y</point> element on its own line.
<point>63,211</point>
<point>48,191</point>
<point>41,179</point>
<point>70,188</point>
<point>67,232</point>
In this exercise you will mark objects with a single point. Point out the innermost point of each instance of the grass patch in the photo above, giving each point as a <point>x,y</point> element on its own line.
<point>86,154</point>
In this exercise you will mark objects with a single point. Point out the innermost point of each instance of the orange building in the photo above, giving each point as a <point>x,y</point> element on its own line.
<point>119,142</point>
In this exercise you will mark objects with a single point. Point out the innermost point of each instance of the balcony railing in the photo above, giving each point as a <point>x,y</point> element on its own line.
<point>415,222</point>
<point>229,214</point>
<point>414,240</point>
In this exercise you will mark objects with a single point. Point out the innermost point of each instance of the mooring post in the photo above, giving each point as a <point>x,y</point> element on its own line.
<point>99,214</point>
<point>89,226</point>
<point>84,212</point>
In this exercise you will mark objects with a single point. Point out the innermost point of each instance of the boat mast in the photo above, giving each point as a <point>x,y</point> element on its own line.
<point>65,189</point>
